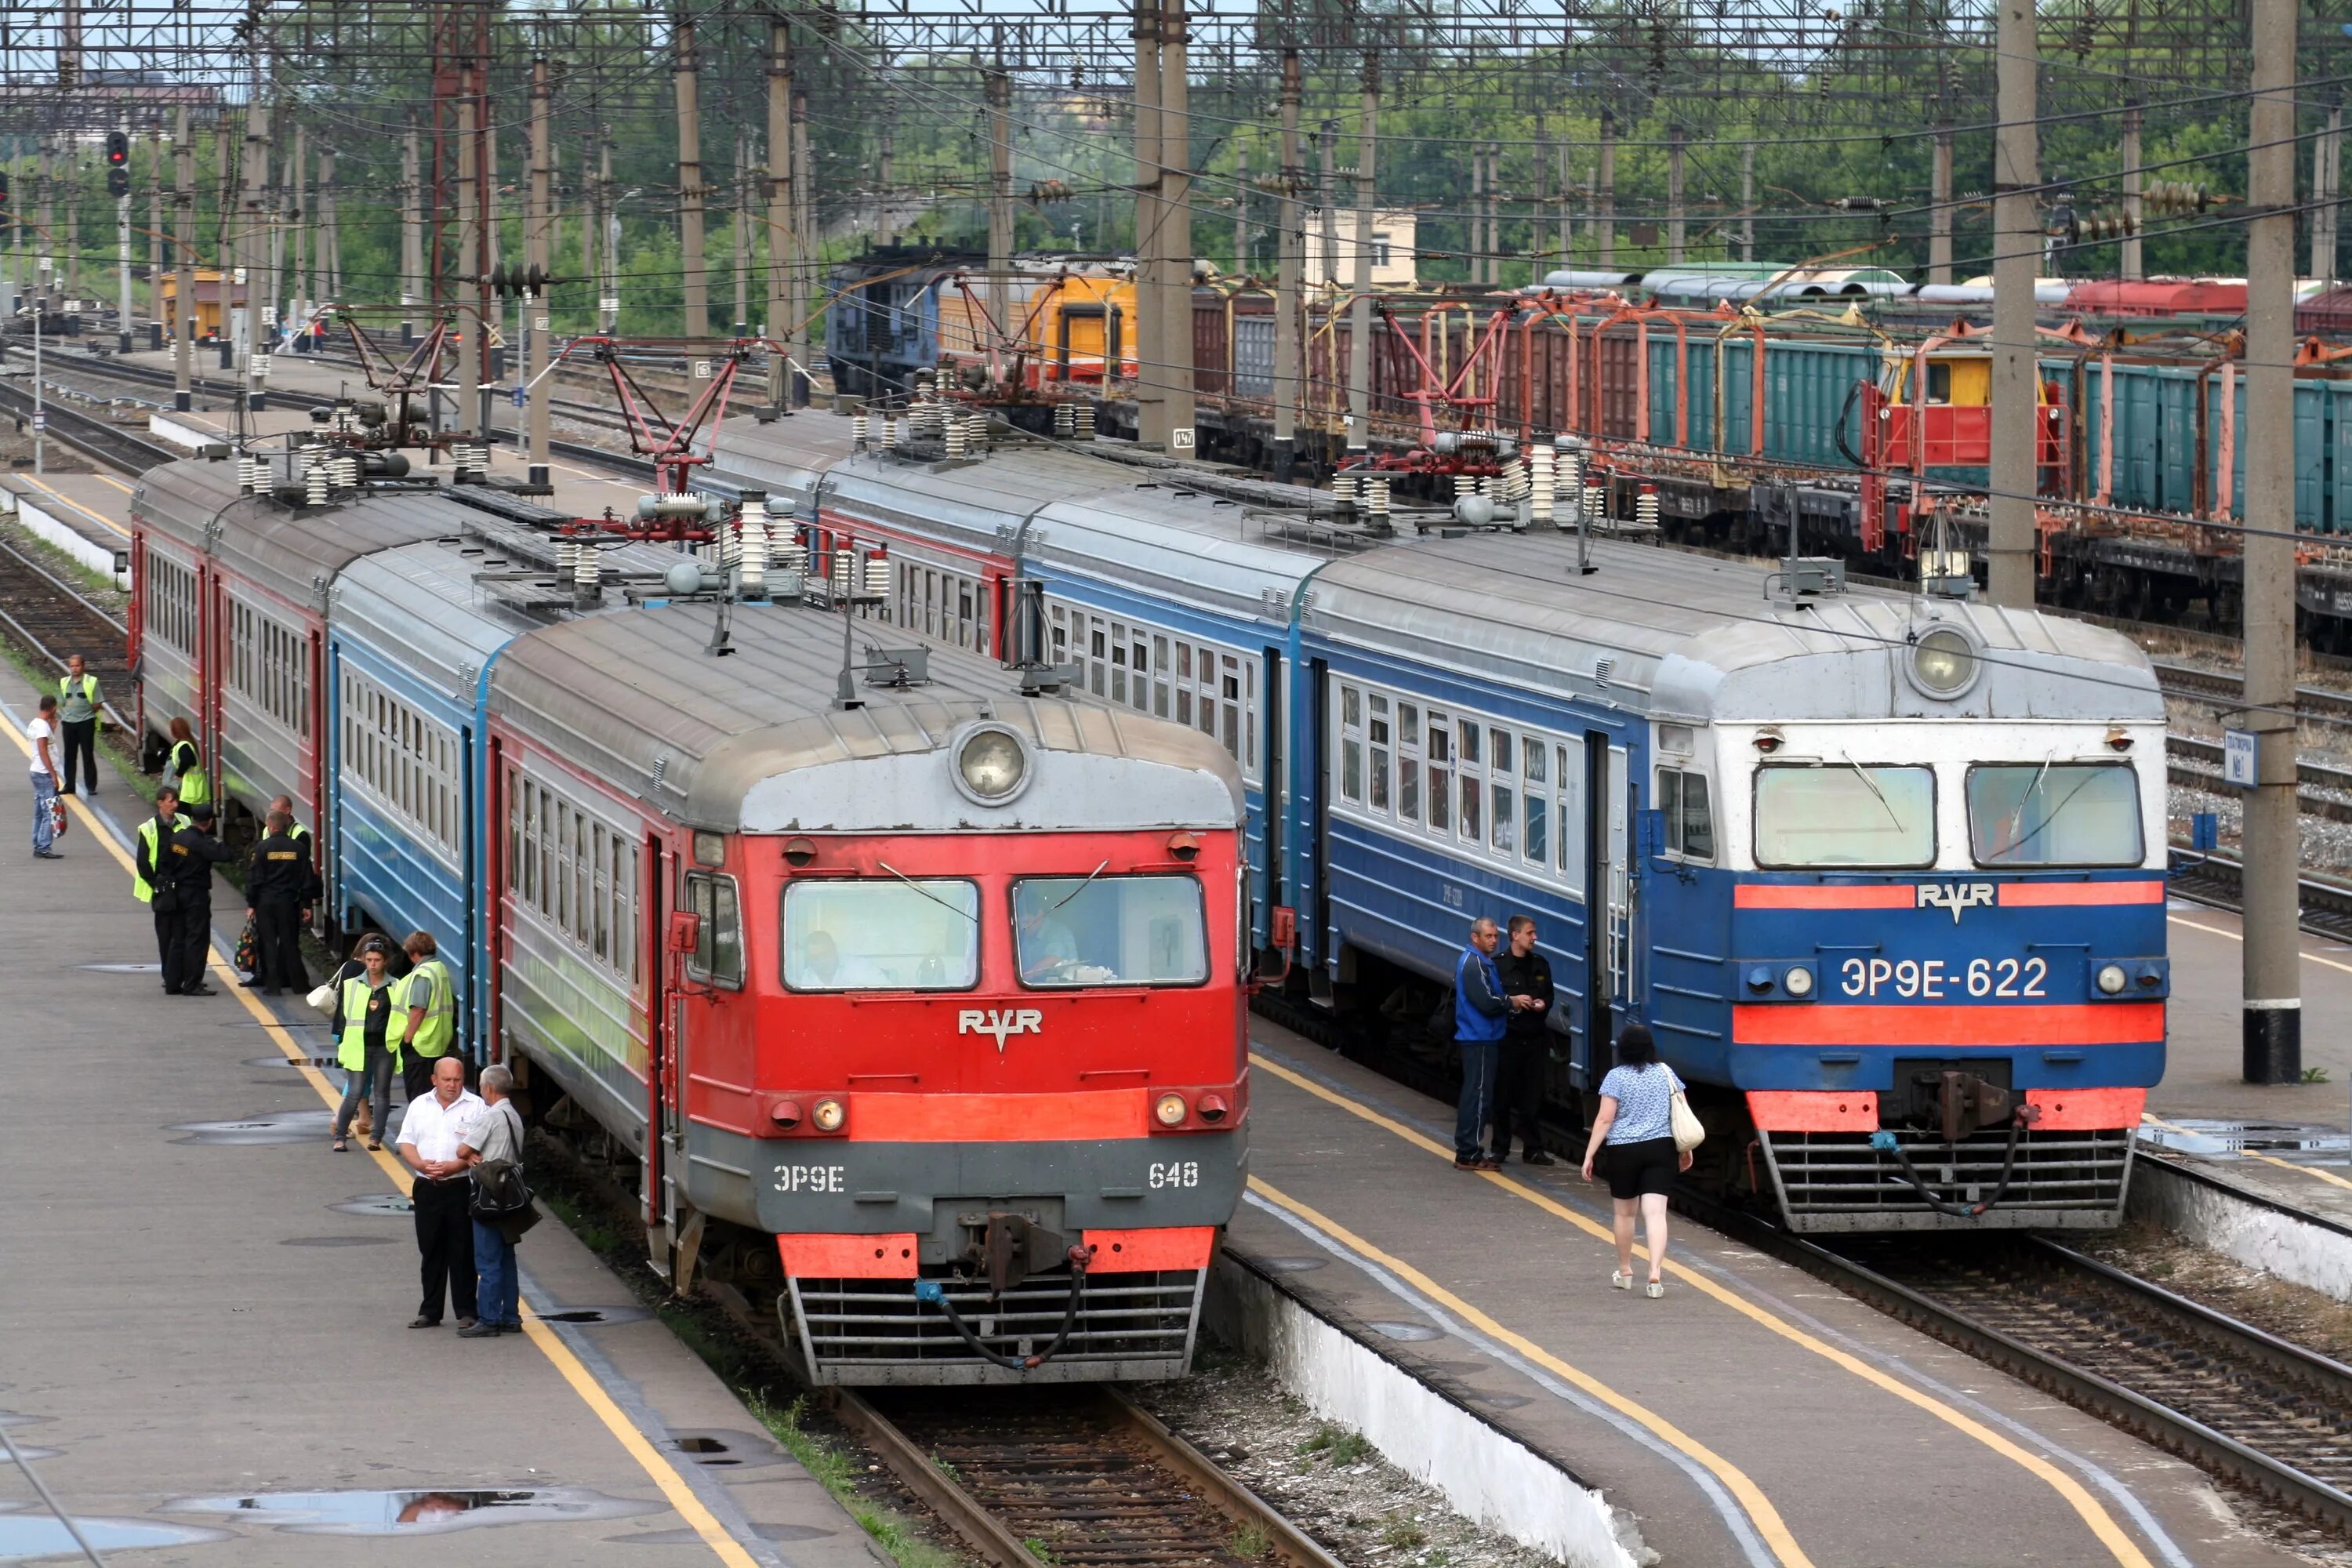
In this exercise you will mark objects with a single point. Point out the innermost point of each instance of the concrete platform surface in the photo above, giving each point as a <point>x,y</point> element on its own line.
<point>96,506</point>
<point>1752,1415</point>
<point>200,1305</point>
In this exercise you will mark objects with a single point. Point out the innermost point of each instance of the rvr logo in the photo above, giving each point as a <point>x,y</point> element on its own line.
<point>1002,1022</point>
<point>1955,897</point>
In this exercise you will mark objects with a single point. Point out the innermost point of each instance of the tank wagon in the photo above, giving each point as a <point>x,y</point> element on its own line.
<point>1885,874</point>
<point>911,985</point>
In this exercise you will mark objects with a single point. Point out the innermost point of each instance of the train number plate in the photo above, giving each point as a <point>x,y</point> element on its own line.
<point>1176,1174</point>
<point>812,1178</point>
<point>1938,979</point>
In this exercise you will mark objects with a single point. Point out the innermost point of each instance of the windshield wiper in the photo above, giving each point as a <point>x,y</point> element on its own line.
<point>967,914</point>
<point>1081,888</point>
<point>1872,785</point>
<point>2025,836</point>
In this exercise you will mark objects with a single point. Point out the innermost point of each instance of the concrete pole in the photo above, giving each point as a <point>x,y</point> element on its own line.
<point>45,240</point>
<point>1176,215</point>
<point>1675,231</point>
<point>608,287</point>
<point>1477,214</point>
<point>474,324</point>
<point>2326,186</point>
<point>183,213</point>
<point>411,236</point>
<point>253,248</point>
<point>1290,254</point>
<point>1150,351</point>
<point>742,233</point>
<point>693,263</point>
<point>1326,198</point>
<point>332,229</point>
<point>1567,209</point>
<point>2133,267</point>
<point>2017,258</point>
<point>1748,201</point>
<point>591,224</point>
<point>73,217</point>
<point>1240,207</point>
<point>299,224</point>
<point>122,265</point>
<point>1604,197</point>
<point>885,227</point>
<point>1360,309</point>
<point>1940,197</point>
<point>805,331</point>
<point>538,252</point>
<point>227,241</point>
<point>783,244</point>
<point>2273,981</point>
<point>998,91</point>
<point>157,246</point>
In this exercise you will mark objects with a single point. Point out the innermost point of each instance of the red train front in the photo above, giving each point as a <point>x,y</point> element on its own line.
<point>948,1003</point>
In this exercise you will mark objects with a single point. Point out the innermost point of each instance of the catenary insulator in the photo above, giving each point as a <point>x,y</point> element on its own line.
<point>877,577</point>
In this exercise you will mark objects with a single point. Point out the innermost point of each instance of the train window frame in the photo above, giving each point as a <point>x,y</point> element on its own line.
<point>2117,764</point>
<point>703,893</point>
<point>1794,765</point>
<point>1012,917</point>
<point>784,928</point>
<point>1677,815</point>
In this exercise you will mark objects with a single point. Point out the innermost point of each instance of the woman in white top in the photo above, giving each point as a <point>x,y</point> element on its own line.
<point>1636,1125</point>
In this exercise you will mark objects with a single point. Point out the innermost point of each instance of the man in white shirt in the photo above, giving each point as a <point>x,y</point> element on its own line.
<point>432,1129</point>
<point>43,732</point>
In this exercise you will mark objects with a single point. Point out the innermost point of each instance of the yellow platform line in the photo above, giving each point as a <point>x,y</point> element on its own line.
<point>62,499</point>
<point>2101,1523</point>
<point>1758,1508</point>
<point>663,1474</point>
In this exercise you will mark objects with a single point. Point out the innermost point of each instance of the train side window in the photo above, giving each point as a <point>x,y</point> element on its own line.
<point>1408,763</point>
<point>1682,800</point>
<point>1351,745</point>
<point>1379,734</point>
<point>718,956</point>
<point>1940,381</point>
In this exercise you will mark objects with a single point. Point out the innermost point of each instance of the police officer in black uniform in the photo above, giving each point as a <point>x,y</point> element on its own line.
<point>183,894</point>
<point>1526,1042</point>
<point>280,885</point>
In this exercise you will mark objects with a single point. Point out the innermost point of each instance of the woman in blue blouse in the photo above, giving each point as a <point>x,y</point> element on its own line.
<point>1636,1125</point>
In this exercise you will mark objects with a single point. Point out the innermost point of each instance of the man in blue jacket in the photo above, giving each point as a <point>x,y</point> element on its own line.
<point>1481,1014</point>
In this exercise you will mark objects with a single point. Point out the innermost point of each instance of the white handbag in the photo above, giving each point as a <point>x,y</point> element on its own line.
<point>1689,1132</point>
<point>323,999</point>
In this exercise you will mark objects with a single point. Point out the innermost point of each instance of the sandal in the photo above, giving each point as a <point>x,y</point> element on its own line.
<point>375,1146</point>
<point>339,1145</point>
<point>1620,1280</point>
<point>1655,1288</point>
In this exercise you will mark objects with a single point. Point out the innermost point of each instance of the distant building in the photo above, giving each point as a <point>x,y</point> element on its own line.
<point>1393,247</point>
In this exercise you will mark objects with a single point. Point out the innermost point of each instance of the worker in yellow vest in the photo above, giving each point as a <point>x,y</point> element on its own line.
<point>365,1044</point>
<point>430,996</point>
<point>183,766</point>
<point>153,840</point>
<point>77,706</point>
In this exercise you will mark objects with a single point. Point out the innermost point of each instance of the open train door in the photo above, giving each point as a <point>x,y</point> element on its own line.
<point>669,941</point>
<point>1609,906</point>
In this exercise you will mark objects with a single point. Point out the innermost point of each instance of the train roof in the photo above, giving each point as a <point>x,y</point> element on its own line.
<point>1694,638</point>
<point>755,743</point>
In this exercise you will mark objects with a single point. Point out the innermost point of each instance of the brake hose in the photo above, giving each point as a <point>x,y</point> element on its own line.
<point>1886,1142</point>
<point>935,1291</point>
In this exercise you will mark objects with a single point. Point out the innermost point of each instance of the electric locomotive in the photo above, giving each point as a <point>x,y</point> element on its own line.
<point>1885,875</point>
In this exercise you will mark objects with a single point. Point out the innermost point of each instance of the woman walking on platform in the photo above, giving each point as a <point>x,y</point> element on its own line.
<point>1637,1127</point>
<point>363,1014</point>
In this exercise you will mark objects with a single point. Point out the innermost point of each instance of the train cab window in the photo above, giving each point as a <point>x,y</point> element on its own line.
<point>2055,814</point>
<point>1690,826</point>
<point>1940,381</point>
<point>1814,815</point>
<point>718,955</point>
<point>882,934</point>
<point>1079,932</point>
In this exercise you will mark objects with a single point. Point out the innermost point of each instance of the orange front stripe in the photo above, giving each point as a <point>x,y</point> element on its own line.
<point>2087,1109</point>
<point>834,1257</point>
<point>2056,1024</point>
<point>1809,896</point>
<point>1148,1251</point>
<point>999,1118</point>
<point>1813,1110</point>
<point>2015,895</point>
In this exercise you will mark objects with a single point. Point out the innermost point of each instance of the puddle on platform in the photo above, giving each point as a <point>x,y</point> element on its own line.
<point>417,1512</point>
<point>25,1535</point>
<point>269,1127</point>
<point>2224,1140</point>
<point>336,1241</point>
<point>779,1532</point>
<point>281,1060</point>
<point>1293,1265</point>
<point>122,968</point>
<point>594,1315</point>
<point>1410,1332</point>
<point>378,1205</point>
<point>724,1450</point>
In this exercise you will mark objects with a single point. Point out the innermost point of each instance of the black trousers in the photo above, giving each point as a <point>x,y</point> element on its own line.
<point>184,947</point>
<point>445,1238</point>
<point>166,923</point>
<point>81,739</point>
<point>1518,1091</point>
<point>277,930</point>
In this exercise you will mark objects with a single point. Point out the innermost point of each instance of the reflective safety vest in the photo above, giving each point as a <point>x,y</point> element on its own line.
<point>150,835</point>
<point>430,987</point>
<point>350,1050</point>
<point>88,689</point>
<point>195,785</point>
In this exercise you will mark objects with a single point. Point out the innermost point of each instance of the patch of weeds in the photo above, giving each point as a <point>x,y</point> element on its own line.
<point>1403,1533</point>
<point>1251,1542</point>
<point>2314,1075</point>
<point>1337,1443</point>
<point>1323,1436</point>
<point>1040,1551</point>
<point>947,1468</point>
<point>838,1474</point>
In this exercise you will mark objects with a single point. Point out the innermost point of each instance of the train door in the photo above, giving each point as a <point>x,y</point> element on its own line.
<point>1271,756</point>
<point>665,1161</point>
<point>1312,744</point>
<point>1609,912</point>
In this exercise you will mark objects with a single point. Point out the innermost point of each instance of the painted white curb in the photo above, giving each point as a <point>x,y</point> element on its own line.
<point>2255,1233</point>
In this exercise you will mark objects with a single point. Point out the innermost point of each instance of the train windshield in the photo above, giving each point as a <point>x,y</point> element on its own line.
<point>2055,814</point>
<point>882,934</point>
<point>1110,930</point>
<point>1844,814</point>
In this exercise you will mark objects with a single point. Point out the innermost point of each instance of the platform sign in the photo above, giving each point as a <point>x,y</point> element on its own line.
<point>2238,758</point>
<point>1179,439</point>
<point>521,397</point>
<point>41,421</point>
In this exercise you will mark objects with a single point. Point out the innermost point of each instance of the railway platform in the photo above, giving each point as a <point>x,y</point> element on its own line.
<point>206,1310</point>
<point>87,515</point>
<point>1751,1415</point>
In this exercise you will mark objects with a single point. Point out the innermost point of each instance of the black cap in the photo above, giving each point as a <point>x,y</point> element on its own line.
<point>201,813</point>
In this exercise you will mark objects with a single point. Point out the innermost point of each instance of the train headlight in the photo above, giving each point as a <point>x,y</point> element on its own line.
<point>1943,662</point>
<point>1170,1110</point>
<point>829,1115</point>
<point>991,766</point>
<point>1798,981</point>
<point>2112,979</point>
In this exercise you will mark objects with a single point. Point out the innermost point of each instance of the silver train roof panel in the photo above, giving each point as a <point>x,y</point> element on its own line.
<point>753,743</point>
<point>1691,637</point>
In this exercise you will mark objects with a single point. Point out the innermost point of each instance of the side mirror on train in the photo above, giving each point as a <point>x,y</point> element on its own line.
<point>685,930</point>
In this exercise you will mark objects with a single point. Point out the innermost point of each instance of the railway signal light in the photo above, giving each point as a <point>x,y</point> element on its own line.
<point>118,164</point>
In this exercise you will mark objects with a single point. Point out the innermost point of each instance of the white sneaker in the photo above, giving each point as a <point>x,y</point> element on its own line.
<point>1620,1280</point>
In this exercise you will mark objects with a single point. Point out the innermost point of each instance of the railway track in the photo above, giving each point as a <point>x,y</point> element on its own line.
<point>1037,1476</point>
<point>2236,1402</point>
<point>2313,704</point>
<point>101,440</point>
<point>48,618</point>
